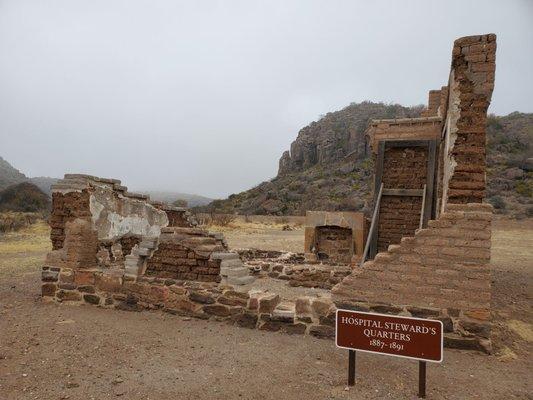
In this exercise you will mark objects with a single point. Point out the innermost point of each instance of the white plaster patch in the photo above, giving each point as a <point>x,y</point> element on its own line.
<point>115,216</point>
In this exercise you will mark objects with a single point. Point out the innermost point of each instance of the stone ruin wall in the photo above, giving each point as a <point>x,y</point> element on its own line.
<point>443,271</point>
<point>439,272</point>
<point>114,249</point>
<point>185,253</point>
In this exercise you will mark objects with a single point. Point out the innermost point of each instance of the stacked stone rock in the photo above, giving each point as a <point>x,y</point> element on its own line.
<point>322,276</point>
<point>186,253</point>
<point>233,270</point>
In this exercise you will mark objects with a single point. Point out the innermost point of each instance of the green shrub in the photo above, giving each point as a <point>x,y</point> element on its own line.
<point>525,188</point>
<point>498,202</point>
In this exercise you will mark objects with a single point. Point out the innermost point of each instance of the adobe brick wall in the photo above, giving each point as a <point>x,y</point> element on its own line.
<point>403,168</point>
<point>470,92</point>
<point>434,102</point>
<point>443,269</point>
<point>403,129</point>
<point>185,254</point>
<point>67,207</point>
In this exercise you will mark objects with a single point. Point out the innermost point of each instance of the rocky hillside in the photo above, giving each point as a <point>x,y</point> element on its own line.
<point>9,175</point>
<point>510,161</point>
<point>329,168</point>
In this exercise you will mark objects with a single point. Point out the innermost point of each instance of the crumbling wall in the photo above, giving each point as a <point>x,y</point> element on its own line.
<point>470,91</point>
<point>106,221</point>
<point>444,271</point>
<point>66,207</point>
<point>185,253</point>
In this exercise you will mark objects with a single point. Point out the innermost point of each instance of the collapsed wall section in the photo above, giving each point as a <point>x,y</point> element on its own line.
<point>185,253</point>
<point>442,271</point>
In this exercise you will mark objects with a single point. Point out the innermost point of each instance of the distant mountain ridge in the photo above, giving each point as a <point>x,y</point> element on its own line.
<point>9,176</point>
<point>193,200</point>
<point>329,166</point>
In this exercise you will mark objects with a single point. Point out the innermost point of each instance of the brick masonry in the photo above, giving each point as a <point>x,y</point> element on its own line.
<point>252,309</point>
<point>471,86</point>
<point>442,271</point>
<point>184,253</point>
<point>66,207</point>
<point>403,168</point>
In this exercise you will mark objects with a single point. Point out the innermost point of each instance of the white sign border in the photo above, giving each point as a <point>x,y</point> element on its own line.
<point>394,316</point>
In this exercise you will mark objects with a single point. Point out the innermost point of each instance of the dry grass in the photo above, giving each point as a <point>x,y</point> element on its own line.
<point>522,329</point>
<point>14,221</point>
<point>23,251</point>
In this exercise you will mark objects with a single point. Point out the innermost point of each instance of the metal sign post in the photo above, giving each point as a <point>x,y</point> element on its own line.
<point>351,367</point>
<point>415,338</point>
<point>422,379</point>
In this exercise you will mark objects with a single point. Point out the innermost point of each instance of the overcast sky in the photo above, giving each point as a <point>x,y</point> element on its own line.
<point>204,96</point>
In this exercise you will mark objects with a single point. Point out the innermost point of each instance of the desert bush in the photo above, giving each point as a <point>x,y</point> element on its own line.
<point>222,219</point>
<point>525,188</point>
<point>180,203</point>
<point>202,218</point>
<point>498,202</point>
<point>13,221</point>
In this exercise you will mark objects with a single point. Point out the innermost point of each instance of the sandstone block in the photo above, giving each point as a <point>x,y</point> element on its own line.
<point>246,320</point>
<point>48,289</point>
<point>83,277</point>
<point>268,302</point>
<point>218,310</point>
<point>91,299</point>
<point>68,295</point>
<point>321,331</point>
<point>202,297</point>
<point>234,298</point>
<point>321,306</point>
<point>49,275</point>
<point>303,305</point>
<point>284,312</point>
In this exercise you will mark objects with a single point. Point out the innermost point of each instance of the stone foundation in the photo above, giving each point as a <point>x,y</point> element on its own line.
<point>254,309</point>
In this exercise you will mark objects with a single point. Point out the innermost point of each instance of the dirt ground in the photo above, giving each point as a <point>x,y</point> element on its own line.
<point>50,351</point>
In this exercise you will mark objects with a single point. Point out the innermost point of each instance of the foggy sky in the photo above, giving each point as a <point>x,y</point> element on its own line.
<point>204,96</point>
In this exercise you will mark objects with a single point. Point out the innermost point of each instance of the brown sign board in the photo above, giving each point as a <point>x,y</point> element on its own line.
<point>408,337</point>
